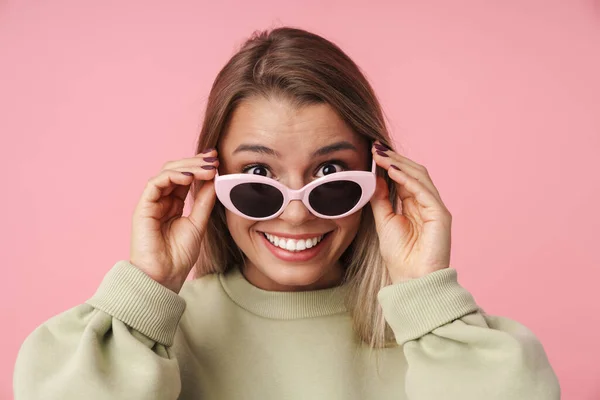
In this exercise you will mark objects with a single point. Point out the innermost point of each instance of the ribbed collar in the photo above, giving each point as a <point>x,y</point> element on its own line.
<point>282,305</point>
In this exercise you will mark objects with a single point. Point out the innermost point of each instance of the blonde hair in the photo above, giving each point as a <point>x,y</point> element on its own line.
<point>305,69</point>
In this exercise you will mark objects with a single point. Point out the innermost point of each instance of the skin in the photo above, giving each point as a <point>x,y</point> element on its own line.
<point>295,134</point>
<point>413,242</point>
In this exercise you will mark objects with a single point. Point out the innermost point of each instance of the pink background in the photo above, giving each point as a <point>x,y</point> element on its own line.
<point>499,100</point>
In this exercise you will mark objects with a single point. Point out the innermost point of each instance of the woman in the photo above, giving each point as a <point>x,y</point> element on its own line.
<point>321,298</point>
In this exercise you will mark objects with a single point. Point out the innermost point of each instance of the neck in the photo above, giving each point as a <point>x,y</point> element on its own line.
<point>294,279</point>
<point>283,305</point>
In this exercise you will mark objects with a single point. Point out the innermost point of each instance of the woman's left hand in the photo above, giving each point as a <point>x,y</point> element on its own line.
<point>415,241</point>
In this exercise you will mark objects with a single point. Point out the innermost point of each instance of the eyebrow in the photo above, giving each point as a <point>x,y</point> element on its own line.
<point>332,148</point>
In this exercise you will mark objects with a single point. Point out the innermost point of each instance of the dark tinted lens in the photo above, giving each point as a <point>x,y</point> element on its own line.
<point>256,199</point>
<point>335,198</point>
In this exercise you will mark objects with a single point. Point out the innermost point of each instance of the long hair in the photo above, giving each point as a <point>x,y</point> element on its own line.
<point>303,68</point>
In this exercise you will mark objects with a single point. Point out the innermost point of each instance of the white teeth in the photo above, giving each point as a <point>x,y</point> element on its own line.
<point>292,244</point>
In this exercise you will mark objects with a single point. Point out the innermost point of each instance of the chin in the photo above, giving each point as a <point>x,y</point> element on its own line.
<point>296,275</point>
<point>287,277</point>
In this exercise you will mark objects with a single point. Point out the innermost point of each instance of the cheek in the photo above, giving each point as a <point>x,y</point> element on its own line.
<point>238,227</point>
<point>349,225</point>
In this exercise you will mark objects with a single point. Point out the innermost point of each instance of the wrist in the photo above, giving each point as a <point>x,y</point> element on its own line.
<point>405,277</point>
<point>173,283</point>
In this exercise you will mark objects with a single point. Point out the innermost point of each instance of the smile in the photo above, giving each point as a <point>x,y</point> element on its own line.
<point>293,244</point>
<point>291,250</point>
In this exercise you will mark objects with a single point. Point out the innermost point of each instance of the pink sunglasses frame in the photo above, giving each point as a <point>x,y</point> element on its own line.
<point>366,180</point>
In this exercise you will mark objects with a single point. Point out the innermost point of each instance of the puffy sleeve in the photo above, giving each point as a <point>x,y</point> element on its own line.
<point>114,346</point>
<point>454,350</point>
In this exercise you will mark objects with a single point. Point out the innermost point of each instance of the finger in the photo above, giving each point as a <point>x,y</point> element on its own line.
<point>385,164</point>
<point>190,165</point>
<point>411,168</point>
<point>173,205</point>
<point>381,204</point>
<point>169,179</point>
<point>415,188</point>
<point>204,202</point>
<point>196,160</point>
<point>390,150</point>
<point>182,191</point>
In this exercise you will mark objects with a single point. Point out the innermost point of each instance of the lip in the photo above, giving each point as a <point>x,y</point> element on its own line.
<point>304,255</point>
<point>290,236</point>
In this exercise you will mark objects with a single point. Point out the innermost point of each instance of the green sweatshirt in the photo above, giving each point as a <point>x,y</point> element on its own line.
<point>223,338</point>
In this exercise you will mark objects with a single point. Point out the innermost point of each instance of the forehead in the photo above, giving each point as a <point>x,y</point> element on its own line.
<point>285,128</point>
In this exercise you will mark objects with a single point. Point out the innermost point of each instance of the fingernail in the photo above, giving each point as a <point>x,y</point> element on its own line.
<point>208,150</point>
<point>382,154</point>
<point>381,147</point>
<point>209,167</point>
<point>188,173</point>
<point>393,166</point>
<point>210,159</point>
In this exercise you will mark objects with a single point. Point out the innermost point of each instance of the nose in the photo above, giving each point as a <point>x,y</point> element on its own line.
<point>296,213</point>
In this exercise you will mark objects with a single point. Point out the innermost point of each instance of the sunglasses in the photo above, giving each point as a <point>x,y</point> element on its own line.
<point>259,198</point>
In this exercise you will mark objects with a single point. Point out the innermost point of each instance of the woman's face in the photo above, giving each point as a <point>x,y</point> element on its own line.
<point>290,136</point>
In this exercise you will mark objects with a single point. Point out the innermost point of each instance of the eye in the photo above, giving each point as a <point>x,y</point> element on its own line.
<point>257,169</point>
<point>332,167</point>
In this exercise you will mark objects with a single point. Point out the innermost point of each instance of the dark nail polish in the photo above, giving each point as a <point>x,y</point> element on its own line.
<point>208,150</point>
<point>382,154</point>
<point>188,173</point>
<point>393,166</point>
<point>210,159</point>
<point>209,167</point>
<point>381,147</point>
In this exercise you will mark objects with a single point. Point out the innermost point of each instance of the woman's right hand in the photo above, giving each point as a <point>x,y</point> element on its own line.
<point>164,244</point>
